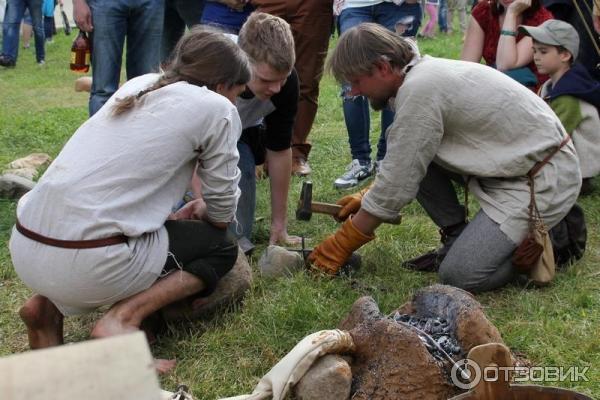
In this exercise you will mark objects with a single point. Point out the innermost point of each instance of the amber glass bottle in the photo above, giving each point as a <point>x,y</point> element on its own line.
<point>81,51</point>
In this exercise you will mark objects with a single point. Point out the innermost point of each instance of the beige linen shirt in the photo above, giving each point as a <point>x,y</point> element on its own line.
<point>479,123</point>
<point>123,175</point>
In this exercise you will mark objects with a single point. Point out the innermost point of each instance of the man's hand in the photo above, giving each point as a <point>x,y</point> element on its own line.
<point>281,237</point>
<point>82,15</point>
<point>332,253</point>
<point>195,209</point>
<point>350,205</point>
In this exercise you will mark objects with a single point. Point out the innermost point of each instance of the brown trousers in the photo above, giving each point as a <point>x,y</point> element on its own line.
<point>310,21</point>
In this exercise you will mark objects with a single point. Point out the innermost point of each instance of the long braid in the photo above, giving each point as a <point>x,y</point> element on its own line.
<point>201,58</point>
<point>127,103</point>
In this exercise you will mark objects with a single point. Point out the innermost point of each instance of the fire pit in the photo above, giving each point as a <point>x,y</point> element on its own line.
<point>410,353</point>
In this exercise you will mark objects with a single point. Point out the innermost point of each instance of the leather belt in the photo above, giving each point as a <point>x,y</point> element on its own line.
<point>71,244</point>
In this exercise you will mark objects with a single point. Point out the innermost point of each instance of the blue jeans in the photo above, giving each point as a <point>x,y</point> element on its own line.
<point>12,23</point>
<point>443,15</point>
<point>140,21</point>
<point>244,214</point>
<point>356,109</point>
<point>179,14</point>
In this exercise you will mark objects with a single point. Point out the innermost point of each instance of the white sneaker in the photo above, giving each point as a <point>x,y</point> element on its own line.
<point>355,172</point>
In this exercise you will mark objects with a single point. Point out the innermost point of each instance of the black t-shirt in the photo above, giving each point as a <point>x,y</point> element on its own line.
<point>269,123</point>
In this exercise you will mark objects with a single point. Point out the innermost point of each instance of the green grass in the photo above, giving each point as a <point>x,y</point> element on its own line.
<point>558,325</point>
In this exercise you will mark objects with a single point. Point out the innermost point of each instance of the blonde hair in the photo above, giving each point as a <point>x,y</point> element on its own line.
<point>203,58</point>
<point>268,39</point>
<point>363,46</point>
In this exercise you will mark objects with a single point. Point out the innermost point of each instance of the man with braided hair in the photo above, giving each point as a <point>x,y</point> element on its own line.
<point>97,230</point>
<point>454,121</point>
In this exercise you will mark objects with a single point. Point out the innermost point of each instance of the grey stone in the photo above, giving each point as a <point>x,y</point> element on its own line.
<point>27,167</point>
<point>363,310</point>
<point>230,289</point>
<point>33,160</point>
<point>14,186</point>
<point>330,378</point>
<point>277,261</point>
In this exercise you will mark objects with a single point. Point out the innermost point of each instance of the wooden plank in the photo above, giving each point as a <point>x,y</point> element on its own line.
<point>119,367</point>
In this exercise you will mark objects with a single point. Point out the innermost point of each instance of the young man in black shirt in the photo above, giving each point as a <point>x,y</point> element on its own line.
<point>267,110</point>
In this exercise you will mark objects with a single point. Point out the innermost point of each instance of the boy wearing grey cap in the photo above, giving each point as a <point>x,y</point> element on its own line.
<point>571,92</point>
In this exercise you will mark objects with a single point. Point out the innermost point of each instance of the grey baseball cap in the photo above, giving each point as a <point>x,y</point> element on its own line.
<point>556,33</point>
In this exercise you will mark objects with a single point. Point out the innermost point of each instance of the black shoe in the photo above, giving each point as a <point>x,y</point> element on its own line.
<point>431,261</point>
<point>428,262</point>
<point>7,62</point>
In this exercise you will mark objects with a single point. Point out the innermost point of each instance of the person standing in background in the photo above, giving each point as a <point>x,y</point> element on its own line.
<point>311,22</point>
<point>15,9</point>
<point>48,13</point>
<point>461,7</point>
<point>404,19</point>
<point>110,23</point>
<point>444,23</point>
<point>179,14</point>
<point>431,7</point>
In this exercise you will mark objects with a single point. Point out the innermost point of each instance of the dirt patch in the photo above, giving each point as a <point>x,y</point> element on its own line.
<point>391,362</point>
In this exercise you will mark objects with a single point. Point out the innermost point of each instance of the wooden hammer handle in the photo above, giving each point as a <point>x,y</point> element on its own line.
<point>325,208</point>
<point>334,209</point>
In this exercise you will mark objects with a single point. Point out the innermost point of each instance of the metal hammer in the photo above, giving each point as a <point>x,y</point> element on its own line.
<point>306,206</point>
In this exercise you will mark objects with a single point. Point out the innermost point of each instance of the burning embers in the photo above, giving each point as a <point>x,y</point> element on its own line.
<point>436,335</point>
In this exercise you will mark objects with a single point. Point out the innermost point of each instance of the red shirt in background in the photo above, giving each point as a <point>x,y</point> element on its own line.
<point>491,28</point>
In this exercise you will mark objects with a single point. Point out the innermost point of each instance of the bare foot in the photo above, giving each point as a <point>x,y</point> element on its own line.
<point>164,366</point>
<point>44,322</point>
<point>111,325</point>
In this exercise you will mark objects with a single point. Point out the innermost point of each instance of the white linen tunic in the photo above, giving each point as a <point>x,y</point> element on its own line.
<point>122,175</point>
<point>477,122</point>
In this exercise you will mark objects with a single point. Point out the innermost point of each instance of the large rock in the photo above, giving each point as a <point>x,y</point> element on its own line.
<point>330,378</point>
<point>27,167</point>
<point>276,262</point>
<point>365,309</point>
<point>14,186</point>
<point>230,289</point>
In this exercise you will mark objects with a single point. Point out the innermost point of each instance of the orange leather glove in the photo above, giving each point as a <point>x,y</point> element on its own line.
<point>350,204</point>
<point>333,252</point>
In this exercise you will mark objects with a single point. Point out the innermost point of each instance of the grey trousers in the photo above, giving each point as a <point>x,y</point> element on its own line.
<point>480,258</point>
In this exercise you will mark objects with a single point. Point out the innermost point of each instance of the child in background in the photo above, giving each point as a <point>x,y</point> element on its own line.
<point>48,13</point>
<point>571,92</point>
<point>431,7</point>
